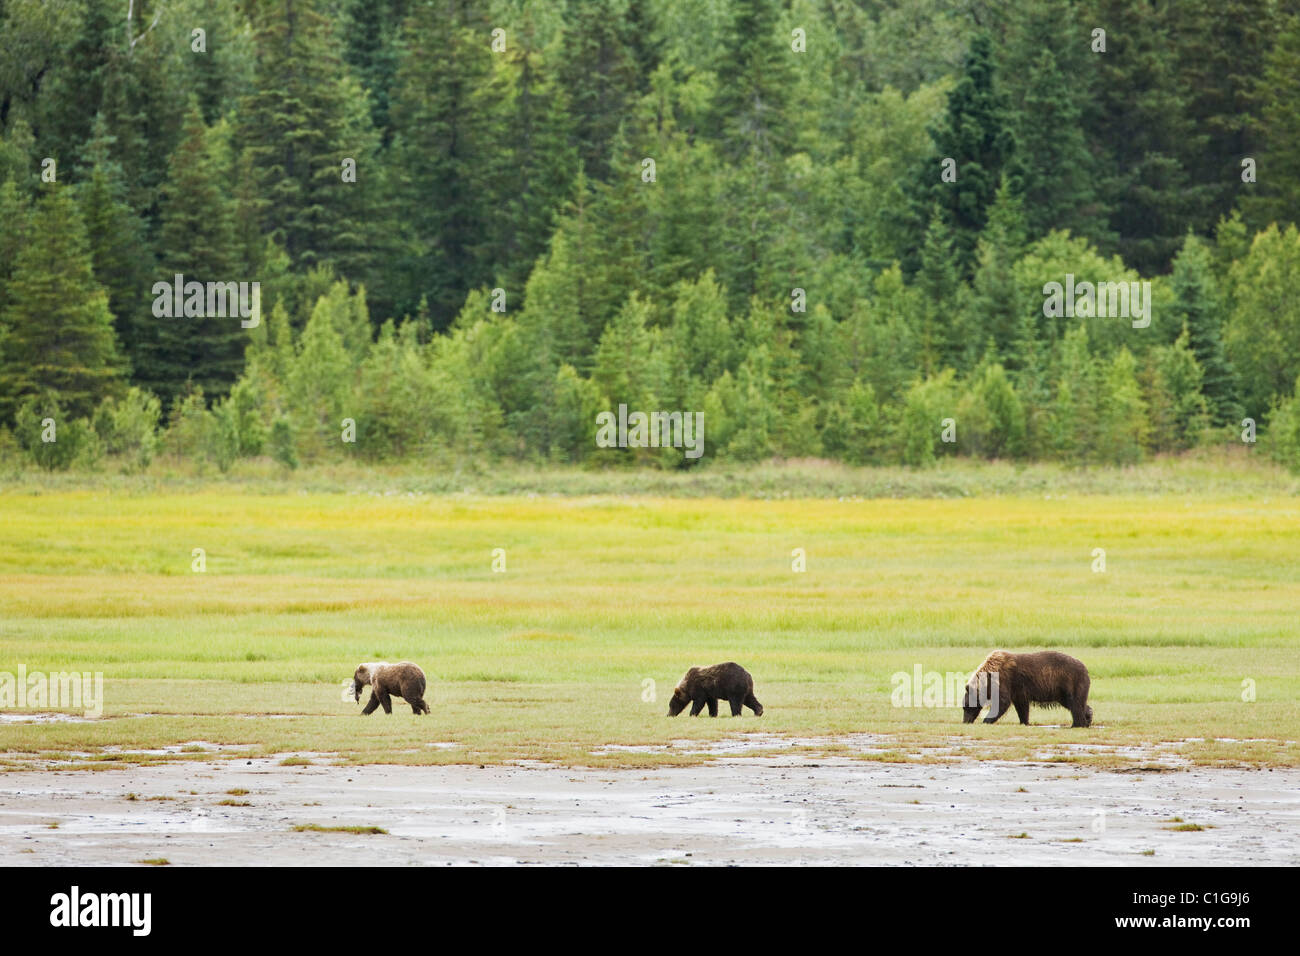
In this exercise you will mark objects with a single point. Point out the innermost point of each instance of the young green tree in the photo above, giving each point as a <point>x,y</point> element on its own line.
<point>1262,336</point>
<point>1171,384</point>
<point>995,304</point>
<point>1198,306</point>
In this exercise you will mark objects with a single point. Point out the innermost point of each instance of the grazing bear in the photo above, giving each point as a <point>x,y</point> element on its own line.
<point>706,685</point>
<point>1018,680</point>
<point>404,680</point>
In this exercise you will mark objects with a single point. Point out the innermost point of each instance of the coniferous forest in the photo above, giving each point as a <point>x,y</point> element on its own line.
<point>873,231</point>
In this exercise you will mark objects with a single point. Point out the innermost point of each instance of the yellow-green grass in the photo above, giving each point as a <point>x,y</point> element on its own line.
<point>550,660</point>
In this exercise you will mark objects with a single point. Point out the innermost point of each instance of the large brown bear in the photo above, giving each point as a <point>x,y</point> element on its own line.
<point>705,685</point>
<point>1018,680</point>
<point>404,680</point>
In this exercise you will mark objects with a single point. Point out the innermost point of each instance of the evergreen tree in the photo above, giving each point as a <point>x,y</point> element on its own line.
<point>994,307</point>
<point>441,151</point>
<point>1142,121</point>
<point>121,258</point>
<point>1275,197</point>
<point>57,327</point>
<point>197,242</point>
<point>1075,423</point>
<point>976,135</point>
<point>530,161</point>
<point>373,50</point>
<point>1048,72</point>
<point>754,77</point>
<point>299,125</point>
<point>1262,336</point>
<point>15,213</point>
<point>942,342</point>
<point>750,111</point>
<point>600,72</point>
<point>1197,306</point>
<point>1221,48</point>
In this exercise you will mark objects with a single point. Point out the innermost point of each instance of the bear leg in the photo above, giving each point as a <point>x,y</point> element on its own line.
<point>697,705</point>
<point>417,705</point>
<point>386,701</point>
<point>371,705</point>
<point>752,703</point>
<point>1022,711</point>
<point>736,703</point>
<point>713,706</point>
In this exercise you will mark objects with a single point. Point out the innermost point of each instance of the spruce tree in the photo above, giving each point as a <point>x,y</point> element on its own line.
<point>58,330</point>
<point>373,50</point>
<point>300,123</point>
<point>1275,197</point>
<point>1221,47</point>
<point>994,306</point>
<point>440,156</point>
<point>122,259</point>
<point>1048,71</point>
<point>976,135</point>
<point>1141,121</point>
<point>600,73</point>
<point>15,213</point>
<point>530,161</point>
<point>941,342</point>
<point>1198,306</point>
<point>197,242</point>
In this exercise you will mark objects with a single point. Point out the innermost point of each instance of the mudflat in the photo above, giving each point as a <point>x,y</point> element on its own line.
<point>735,810</point>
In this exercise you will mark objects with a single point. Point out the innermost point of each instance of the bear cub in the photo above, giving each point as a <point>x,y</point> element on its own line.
<point>706,685</point>
<point>386,681</point>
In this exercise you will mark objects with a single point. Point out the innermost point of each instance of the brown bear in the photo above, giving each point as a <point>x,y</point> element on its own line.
<point>404,680</point>
<point>705,685</point>
<point>1018,680</point>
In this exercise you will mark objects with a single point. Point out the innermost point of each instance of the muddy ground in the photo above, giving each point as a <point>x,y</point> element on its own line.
<point>736,810</point>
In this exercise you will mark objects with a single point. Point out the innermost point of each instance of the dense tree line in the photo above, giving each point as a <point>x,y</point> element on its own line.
<point>826,224</point>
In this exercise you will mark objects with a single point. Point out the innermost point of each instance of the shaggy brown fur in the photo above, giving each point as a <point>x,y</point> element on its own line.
<point>1017,680</point>
<point>404,680</point>
<point>706,685</point>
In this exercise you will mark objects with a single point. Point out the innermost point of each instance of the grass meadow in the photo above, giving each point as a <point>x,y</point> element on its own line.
<point>569,654</point>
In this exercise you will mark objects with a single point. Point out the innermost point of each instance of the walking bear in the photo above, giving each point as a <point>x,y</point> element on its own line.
<point>1017,680</point>
<point>404,680</point>
<point>706,685</point>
